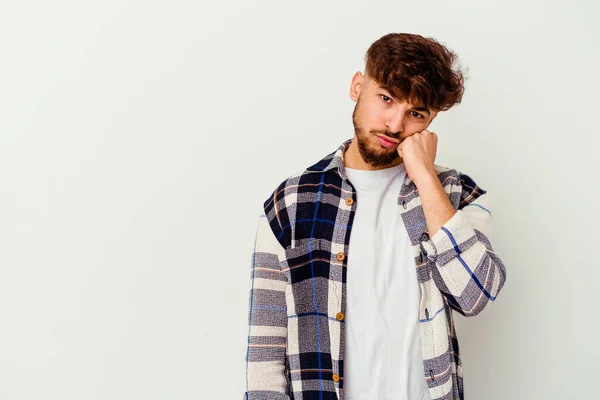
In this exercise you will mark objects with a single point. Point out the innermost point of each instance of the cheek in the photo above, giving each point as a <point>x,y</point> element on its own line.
<point>365,120</point>
<point>415,126</point>
<point>373,118</point>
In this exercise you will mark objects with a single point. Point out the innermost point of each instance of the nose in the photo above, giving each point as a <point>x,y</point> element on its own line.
<point>395,122</point>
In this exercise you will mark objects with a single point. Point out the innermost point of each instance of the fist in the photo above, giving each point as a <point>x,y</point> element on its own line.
<point>418,153</point>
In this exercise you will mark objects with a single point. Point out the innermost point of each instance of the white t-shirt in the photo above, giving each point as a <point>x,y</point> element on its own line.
<point>383,358</point>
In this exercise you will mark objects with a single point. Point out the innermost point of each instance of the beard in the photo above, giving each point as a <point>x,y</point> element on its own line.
<point>376,156</point>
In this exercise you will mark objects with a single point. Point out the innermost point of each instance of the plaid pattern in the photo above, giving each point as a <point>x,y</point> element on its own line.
<point>298,281</point>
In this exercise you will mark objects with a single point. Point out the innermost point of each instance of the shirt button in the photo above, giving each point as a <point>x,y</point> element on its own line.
<point>340,256</point>
<point>349,201</point>
<point>339,316</point>
<point>336,378</point>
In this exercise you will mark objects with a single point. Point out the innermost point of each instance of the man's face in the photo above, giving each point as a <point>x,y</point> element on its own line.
<point>377,114</point>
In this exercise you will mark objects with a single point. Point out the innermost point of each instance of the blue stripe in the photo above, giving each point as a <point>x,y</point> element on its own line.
<point>436,313</point>
<point>416,226</point>
<point>458,252</point>
<point>314,287</point>
<point>456,248</point>
<point>480,206</point>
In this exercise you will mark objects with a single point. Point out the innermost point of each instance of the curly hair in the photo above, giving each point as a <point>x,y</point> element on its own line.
<point>416,69</point>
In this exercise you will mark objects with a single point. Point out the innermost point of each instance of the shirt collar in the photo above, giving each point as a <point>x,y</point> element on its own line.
<point>335,161</point>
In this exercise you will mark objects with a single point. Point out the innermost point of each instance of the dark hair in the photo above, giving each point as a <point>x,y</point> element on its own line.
<point>416,69</point>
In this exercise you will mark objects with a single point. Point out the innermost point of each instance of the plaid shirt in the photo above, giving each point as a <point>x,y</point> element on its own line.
<point>298,281</point>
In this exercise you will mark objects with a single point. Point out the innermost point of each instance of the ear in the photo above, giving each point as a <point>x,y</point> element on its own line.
<point>356,85</point>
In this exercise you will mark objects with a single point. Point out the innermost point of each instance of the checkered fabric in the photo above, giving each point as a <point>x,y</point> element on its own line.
<point>298,281</point>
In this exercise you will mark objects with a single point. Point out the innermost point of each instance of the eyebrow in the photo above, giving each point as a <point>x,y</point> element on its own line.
<point>414,108</point>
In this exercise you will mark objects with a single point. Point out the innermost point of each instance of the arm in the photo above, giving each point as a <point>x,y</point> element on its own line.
<point>467,270</point>
<point>267,337</point>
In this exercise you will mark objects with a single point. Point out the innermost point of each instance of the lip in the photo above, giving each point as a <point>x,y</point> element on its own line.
<point>387,141</point>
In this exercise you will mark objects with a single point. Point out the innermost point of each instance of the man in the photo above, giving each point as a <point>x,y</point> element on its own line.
<point>361,259</point>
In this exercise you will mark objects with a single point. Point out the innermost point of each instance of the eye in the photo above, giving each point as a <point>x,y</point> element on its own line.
<point>385,98</point>
<point>416,114</point>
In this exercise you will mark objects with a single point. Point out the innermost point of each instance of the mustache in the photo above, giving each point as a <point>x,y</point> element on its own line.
<point>387,133</point>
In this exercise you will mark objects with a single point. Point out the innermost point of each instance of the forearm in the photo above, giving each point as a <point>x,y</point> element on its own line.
<point>466,269</point>
<point>436,206</point>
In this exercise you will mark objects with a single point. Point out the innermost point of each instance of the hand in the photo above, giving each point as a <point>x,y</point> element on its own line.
<point>418,152</point>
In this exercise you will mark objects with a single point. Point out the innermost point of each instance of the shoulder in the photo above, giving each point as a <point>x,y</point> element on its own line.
<point>276,205</point>
<point>289,183</point>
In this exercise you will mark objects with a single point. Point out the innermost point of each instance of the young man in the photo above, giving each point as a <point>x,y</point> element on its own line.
<point>361,259</point>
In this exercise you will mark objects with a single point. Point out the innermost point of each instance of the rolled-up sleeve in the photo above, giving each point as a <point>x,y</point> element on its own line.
<point>467,270</point>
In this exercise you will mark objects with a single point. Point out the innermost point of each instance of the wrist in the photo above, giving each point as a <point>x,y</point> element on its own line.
<point>426,177</point>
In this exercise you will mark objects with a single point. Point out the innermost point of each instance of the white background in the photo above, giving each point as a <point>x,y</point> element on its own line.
<point>138,140</point>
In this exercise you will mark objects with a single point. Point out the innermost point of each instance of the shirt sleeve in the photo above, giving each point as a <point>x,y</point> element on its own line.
<point>467,270</point>
<point>267,336</point>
